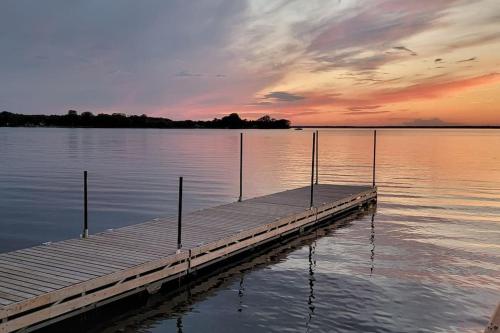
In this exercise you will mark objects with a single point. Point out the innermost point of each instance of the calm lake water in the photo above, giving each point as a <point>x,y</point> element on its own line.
<point>429,261</point>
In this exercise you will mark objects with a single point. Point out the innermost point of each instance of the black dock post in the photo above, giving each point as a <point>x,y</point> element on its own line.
<point>85,232</point>
<point>179,218</point>
<point>317,156</point>
<point>312,168</point>
<point>241,168</point>
<point>374,154</point>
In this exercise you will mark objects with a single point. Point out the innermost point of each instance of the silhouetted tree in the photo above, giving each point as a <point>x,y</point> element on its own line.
<point>87,119</point>
<point>265,119</point>
<point>232,121</point>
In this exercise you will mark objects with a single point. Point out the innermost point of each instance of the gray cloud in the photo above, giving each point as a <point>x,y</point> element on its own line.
<point>467,60</point>
<point>364,113</point>
<point>351,61</point>
<point>262,103</point>
<point>375,25</point>
<point>428,122</point>
<point>474,40</point>
<point>364,107</point>
<point>283,96</point>
<point>402,48</point>
<point>185,73</point>
<point>74,54</point>
<point>379,22</point>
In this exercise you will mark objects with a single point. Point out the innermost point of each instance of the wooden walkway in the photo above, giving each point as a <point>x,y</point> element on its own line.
<point>46,283</point>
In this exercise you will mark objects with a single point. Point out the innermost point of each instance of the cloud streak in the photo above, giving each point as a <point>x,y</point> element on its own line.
<point>283,96</point>
<point>402,48</point>
<point>467,60</point>
<point>364,107</point>
<point>185,73</point>
<point>433,90</point>
<point>428,122</point>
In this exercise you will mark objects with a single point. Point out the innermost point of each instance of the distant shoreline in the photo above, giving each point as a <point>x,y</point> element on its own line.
<point>401,127</point>
<point>233,121</point>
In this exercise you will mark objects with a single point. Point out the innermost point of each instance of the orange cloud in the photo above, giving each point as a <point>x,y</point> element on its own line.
<point>425,90</point>
<point>430,90</point>
<point>325,107</point>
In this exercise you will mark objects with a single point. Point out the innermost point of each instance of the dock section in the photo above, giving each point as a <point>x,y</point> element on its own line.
<point>48,283</point>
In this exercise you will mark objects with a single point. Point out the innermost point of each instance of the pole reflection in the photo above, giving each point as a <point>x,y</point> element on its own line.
<point>310,301</point>
<point>179,324</point>
<point>372,242</point>
<point>241,289</point>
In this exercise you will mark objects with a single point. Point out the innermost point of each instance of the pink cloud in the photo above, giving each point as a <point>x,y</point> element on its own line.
<point>431,90</point>
<point>370,103</point>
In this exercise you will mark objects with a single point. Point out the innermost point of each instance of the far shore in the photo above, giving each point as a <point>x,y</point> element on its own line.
<point>402,127</point>
<point>120,120</point>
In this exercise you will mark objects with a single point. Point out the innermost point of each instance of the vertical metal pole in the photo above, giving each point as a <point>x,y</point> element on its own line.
<point>241,168</point>
<point>374,155</point>
<point>312,168</point>
<point>317,156</point>
<point>85,232</point>
<point>179,217</point>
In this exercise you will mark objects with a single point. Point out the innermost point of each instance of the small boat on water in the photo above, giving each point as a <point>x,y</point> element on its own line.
<point>299,129</point>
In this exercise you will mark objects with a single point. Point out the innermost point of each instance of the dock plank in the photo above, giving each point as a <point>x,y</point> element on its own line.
<point>34,277</point>
<point>30,281</point>
<point>51,261</point>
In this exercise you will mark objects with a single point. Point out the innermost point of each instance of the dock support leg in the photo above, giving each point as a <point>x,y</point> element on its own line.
<point>312,169</point>
<point>374,155</point>
<point>85,232</point>
<point>241,168</point>
<point>317,156</point>
<point>179,218</point>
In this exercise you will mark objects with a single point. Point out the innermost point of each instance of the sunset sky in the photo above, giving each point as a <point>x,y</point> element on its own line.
<point>338,62</point>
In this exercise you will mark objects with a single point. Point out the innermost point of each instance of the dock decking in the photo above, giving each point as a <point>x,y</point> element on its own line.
<point>51,282</point>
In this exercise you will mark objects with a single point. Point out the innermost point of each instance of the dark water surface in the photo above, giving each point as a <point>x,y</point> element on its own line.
<point>429,262</point>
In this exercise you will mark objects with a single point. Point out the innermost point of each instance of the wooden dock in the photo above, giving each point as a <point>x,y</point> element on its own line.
<point>48,283</point>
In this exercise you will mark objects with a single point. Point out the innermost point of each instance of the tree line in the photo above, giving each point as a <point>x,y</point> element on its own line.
<point>120,120</point>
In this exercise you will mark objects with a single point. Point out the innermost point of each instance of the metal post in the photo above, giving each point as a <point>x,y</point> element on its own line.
<point>85,232</point>
<point>312,168</point>
<point>317,156</point>
<point>374,154</point>
<point>179,217</point>
<point>241,168</point>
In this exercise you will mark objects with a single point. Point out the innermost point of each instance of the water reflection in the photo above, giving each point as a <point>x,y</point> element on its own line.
<point>437,222</point>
